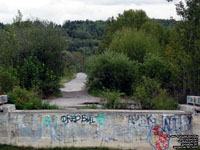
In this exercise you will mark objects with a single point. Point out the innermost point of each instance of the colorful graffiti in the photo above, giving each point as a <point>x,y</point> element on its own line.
<point>102,127</point>
<point>101,119</point>
<point>158,138</point>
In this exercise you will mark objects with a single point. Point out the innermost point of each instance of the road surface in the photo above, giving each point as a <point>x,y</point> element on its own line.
<point>74,94</point>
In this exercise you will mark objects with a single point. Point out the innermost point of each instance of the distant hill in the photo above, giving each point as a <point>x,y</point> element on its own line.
<point>84,36</point>
<point>165,22</point>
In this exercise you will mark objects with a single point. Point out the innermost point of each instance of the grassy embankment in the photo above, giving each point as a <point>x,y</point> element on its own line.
<point>8,147</point>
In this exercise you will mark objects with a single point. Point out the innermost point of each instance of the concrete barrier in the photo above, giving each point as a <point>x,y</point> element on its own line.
<point>3,99</point>
<point>92,128</point>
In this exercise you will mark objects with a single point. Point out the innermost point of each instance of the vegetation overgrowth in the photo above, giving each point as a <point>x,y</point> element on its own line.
<point>152,61</point>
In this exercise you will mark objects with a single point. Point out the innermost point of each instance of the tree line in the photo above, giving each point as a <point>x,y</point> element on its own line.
<point>147,61</point>
<point>36,54</point>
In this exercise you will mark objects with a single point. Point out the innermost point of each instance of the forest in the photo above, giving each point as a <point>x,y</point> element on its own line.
<point>153,61</point>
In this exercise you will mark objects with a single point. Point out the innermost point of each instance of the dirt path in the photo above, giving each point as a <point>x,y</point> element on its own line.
<point>74,94</point>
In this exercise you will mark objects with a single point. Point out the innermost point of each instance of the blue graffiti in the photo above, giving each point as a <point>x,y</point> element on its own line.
<point>176,124</point>
<point>54,131</point>
<point>101,118</point>
<point>141,120</point>
<point>3,119</point>
<point>26,131</point>
<point>47,121</point>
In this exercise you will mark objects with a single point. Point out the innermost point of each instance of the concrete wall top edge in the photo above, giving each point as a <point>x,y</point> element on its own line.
<point>105,111</point>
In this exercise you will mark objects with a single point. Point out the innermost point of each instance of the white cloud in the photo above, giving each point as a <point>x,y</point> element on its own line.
<point>61,10</point>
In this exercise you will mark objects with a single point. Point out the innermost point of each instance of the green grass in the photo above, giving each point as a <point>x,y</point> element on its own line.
<point>96,93</point>
<point>8,147</point>
<point>93,106</point>
<point>67,77</point>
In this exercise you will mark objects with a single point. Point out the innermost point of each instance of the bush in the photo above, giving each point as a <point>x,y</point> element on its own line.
<point>156,67</point>
<point>24,99</point>
<point>35,50</point>
<point>110,70</point>
<point>113,100</point>
<point>152,96</point>
<point>146,90</point>
<point>50,83</point>
<point>8,80</point>
<point>134,44</point>
<point>29,73</point>
<point>164,102</point>
<point>34,75</point>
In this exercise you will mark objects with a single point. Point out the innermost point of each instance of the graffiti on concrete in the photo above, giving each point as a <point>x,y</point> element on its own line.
<point>102,127</point>
<point>139,120</point>
<point>32,131</point>
<point>76,118</point>
<point>158,138</point>
<point>47,121</point>
<point>175,124</point>
<point>101,118</point>
<point>5,119</point>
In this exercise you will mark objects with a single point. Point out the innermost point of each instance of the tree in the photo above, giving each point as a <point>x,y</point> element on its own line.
<point>131,19</point>
<point>18,18</point>
<point>134,44</point>
<point>183,50</point>
<point>35,51</point>
<point>111,70</point>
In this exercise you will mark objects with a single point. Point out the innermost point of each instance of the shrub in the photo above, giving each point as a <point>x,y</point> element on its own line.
<point>29,73</point>
<point>152,96</point>
<point>156,67</point>
<point>163,101</point>
<point>24,99</point>
<point>35,50</point>
<point>134,44</point>
<point>110,70</point>
<point>50,83</point>
<point>8,80</point>
<point>34,75</point>
<point>113,100</point>
<point>146,90</point>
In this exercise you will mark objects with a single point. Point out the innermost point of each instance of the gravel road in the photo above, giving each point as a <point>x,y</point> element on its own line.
<point>74,94</point>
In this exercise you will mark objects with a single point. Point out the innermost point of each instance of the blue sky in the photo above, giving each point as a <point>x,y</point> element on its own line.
<point>61,10</point>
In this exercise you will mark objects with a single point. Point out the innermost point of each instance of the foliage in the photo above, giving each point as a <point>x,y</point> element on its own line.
<point>146,90</point>
<point>133,19</point>
<point>183,51</point>
<point>83,35</point>
<point>93,106</point>
<point>165,22</point>
<point>68,76</point>
<point>156,30</point>
<point>29,73</point>
<point>152,96</point>
<point>134,44</point>
<point>35,51</point>
<point>110,70</point>
<point>24,99</point>
<point>156,67</point>
<point>113,100</point>
<point>164,102</point>
<point>8,79</point>
<point>34,75</point>
<point>88,29</point>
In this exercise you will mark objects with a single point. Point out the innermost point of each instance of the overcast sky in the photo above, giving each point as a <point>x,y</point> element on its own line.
<point>60,10</point>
